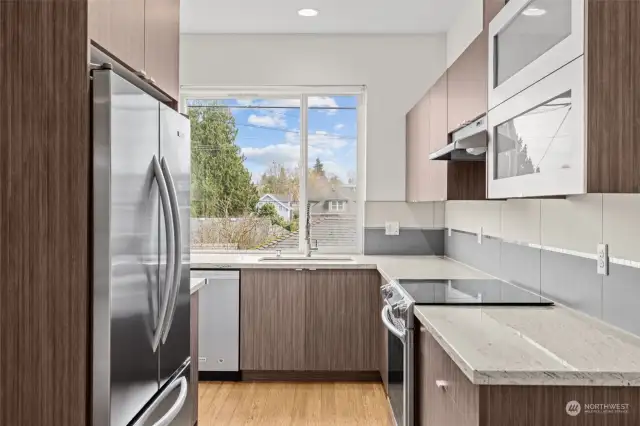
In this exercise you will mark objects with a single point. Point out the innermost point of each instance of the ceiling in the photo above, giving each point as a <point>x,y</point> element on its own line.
<point>336,16</point>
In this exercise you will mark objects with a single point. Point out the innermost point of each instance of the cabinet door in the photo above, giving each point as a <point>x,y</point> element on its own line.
<point>467,84</point>
<point>272,320</point>
<point>126,32</point>
<point>342,320</point>
<point>418,149</point>
<point>436,182</point>
<point>162,38</point>
<point>194,355</point>
<point>383,337</point>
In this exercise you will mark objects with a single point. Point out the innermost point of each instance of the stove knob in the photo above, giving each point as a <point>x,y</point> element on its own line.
<point>386,291</point>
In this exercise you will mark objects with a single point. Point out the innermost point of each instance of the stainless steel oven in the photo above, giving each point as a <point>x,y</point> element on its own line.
<point>397,316</point>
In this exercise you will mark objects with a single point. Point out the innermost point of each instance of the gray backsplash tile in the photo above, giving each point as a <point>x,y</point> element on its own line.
<point>464,248</point>
<point>520,265</point>
<point>572,281</point>
<point>411,241</point>
<point>621,298</point>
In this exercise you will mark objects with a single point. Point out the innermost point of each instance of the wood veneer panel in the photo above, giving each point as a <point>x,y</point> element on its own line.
<point>44,213</point>
<point>383,342</point>
<point>272,319</point>
<point>162,44</point>
<point>613,129</point>
<point>194,353</point>
<point>311,376</point>
<point>342,320</point>
<point>437,180</point>
<point>545,405</point>
<point>466,180</point>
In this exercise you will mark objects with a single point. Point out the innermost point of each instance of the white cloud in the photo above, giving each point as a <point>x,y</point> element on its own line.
<point>338,126</point>
<point>270,120</point>
<point>321,132</point>
<point>322,102</point>
<point>320,140</point>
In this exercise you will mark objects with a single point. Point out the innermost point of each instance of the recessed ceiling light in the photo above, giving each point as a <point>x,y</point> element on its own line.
<point>534,11</point>
<point>308,12</point>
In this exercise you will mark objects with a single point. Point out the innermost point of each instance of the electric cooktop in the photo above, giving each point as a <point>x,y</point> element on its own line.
<point>470,292</point>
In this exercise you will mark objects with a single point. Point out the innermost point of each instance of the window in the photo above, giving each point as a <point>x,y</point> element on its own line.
<point>337,206</point>
<point>251,188</point>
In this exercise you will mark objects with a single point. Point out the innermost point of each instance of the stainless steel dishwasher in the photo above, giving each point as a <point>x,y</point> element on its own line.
<point>219,325</point>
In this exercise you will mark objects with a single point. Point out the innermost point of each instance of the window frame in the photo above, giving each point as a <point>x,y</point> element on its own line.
<point>303,93</point>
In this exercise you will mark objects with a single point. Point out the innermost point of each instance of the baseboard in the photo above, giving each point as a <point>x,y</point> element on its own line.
<point>312,376</point>
<point>219,376</point>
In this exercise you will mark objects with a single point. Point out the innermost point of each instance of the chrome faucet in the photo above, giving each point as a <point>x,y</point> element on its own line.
<point>308,246</point>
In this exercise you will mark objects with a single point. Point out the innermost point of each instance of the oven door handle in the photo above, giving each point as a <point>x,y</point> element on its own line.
<point>387,323</point>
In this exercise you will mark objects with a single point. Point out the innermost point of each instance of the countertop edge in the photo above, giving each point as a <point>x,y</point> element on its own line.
<point>529,378</point>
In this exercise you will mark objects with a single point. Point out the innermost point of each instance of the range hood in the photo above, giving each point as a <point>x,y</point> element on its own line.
<point>469,143</point>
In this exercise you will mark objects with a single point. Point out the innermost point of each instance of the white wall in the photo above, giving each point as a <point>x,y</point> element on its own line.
<point>467,26</point>
<point>397,71</point>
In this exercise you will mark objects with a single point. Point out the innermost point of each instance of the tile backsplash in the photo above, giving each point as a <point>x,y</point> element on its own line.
<point>549,246</point>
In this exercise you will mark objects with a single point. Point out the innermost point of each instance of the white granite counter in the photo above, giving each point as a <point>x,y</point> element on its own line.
<point>533,346</point>
<point>197,284</point>
<point>390,267</point>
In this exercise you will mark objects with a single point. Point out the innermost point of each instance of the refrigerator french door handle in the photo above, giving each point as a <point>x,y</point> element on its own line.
<point>171,243</point>
<point>173,198</point>
<point>173,411</point>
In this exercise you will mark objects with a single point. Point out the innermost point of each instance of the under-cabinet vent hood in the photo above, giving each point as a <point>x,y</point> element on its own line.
<point>469,143</point>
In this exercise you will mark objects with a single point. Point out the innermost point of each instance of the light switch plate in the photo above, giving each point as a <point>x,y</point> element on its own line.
<point>603,259</point>
<point>392,228</point>
<point>480,235</point>
<point>449,230</point>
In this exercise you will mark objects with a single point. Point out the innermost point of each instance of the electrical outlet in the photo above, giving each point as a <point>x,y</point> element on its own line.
<point>603,259</point>
<point>202,359</point>
<point>392,228</point>
<point>480,235</point>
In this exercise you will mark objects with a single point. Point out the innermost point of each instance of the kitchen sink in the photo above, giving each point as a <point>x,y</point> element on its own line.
<point>306,259</point>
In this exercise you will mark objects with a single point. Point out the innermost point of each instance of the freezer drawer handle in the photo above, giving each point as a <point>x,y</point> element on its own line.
<point>171,243</point>
<point>177,273</point>
<point>392,328</point>
<point>173,411</point>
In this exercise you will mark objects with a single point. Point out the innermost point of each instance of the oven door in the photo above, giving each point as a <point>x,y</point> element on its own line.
<point>399,368</point>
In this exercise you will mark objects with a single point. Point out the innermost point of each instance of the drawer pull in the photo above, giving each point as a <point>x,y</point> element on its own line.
<point>442,384</point>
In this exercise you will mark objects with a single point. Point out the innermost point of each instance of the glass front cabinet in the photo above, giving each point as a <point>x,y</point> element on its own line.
<point>536,100</point>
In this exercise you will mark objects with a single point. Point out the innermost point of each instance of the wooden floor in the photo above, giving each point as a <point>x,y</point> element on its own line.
<point>292,403</point>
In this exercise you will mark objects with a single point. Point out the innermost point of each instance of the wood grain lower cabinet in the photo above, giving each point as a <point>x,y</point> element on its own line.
<point>341,320</point>
<point>194,355</point>
<point>461,403</point>
<point>383,342</point>
<point>272,320</point>
<point>309,321</point>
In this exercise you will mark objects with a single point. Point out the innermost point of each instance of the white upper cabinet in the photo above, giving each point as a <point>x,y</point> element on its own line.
<point>530,39</point>
<point>536,138</point>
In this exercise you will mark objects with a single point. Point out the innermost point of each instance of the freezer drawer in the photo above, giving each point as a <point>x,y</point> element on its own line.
<point>219,321</point>
<point>172,405</point>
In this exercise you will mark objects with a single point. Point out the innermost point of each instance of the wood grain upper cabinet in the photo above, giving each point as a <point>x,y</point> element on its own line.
<point>162,39</point>
<point>418,149</point>
<point>427,132</point>
<point>144,34</point>
<point>118,26</point>
<point>342,320</point>
<point>467,84</point>
<point>272,332</point>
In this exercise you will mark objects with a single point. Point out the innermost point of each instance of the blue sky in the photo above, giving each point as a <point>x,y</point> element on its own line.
<point>269,130</point>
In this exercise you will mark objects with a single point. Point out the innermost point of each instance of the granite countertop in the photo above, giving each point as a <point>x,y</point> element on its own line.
<point>390,267</point>
<point>197,284</point>
<point>533,346</point>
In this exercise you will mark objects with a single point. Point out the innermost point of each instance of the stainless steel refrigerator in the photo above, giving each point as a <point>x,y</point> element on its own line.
<point>141,311</point>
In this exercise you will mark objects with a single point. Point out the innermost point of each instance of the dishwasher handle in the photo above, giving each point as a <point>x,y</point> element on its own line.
<point>387,323</point>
